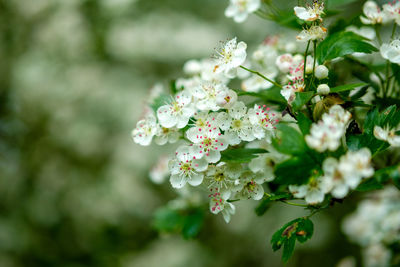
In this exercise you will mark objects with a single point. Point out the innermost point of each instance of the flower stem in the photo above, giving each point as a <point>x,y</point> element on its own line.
<point>294,204</point>
<point>305,60</point>
<point>315,61</point>
<point>378,35</point>
<point>388,79</point>
<point>262,76</point>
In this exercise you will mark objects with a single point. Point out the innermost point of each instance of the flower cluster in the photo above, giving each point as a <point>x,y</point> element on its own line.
<point>339,176</point>
<point>375,225</point>
<point>327,133</point>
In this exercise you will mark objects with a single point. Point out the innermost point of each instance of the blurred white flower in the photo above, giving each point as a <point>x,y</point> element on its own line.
<point>377,255</point>
<point>263,121</point>
<point>373,14</point>
<point>240,9</point>
<point>385,134</point>
<point>392,10</point>
<point>250,186</point>
<point>391,51</point>
<point>313,192</point>
<point>284,62</point>
<point>229,57</point>
<point>144,131</point>
<point>311,34</point>
<point>159,173</point>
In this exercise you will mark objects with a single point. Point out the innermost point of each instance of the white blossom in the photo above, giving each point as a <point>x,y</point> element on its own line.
<point>177,113</point>
<point>145,130</point>
<point>230,57</point>
<point>250,186</point>
<point>284,62</point>
<point>385,134</point>
<point>240,9</point>
<point>222,178</point>
<point>166,135</point>
<point>391,51</point>
<point>186,168</point>
<point>373,14</point>
<point>219,204</point>
<point>311,13</point>
<point>312,34</point>
<point>265,164</point>
<point>263,121</point>
<point>392,10</point>
<point>313,192</point>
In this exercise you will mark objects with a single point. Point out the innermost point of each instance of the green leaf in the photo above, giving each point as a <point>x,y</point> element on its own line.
<point>272,95</point>
<point>360,93</point>
<point>371,120</point>
<point>289,141</point>
<point>341,44</point>
<point>288,248</point>
<point>369,185</point>
<point>295,170</point>
<point>167,220</point>
<point>241,155</point>
<point>300,229</point>
<point>193,223</point>
<point>304,123</point>
<point>347,87</point>
<point>301,99</point>
<point>265,203</point>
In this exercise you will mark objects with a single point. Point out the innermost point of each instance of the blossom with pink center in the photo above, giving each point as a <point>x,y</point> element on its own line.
<point>263,121</point>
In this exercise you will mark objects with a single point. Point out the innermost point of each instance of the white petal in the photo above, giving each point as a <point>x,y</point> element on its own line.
<point>196,179</point>
<point>177,181</point>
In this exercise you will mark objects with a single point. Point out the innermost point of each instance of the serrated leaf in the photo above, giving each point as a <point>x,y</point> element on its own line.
<point>304,123</point>
<point>289,141</point>
<point>301,99</point>
<point>346,87</point>
<point>342,43</point>
<point>241,155</point>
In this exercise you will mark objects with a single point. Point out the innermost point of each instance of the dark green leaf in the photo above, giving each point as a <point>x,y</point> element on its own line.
<point>295,170</point>
<point>369,185</point>
<point>167,220</point>
<point>301,99</point>
<point>241,155</point>
<point>305,230</point>
<point>304,123</point>
<point>346,87</point>
<point>193,223</point>
<point>360,93</point>
<point>341,44</point>
<point>272,95</point>
<point>289,141</point>
<point>288,248</point>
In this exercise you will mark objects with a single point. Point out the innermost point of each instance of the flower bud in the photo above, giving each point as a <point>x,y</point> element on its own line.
<point>323,89</point>
<point>321,72</point>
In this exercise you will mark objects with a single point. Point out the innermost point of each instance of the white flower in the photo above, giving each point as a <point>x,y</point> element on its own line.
<point>311,34</point>
<point>265,164</point>
<point>387,135</point>
<point>236,124</point>
<point>240,9</point>
<point>230,57</point>
<point>250,186</point>
<point>289,91</point>
<point>324,137</point>
<point>263,121</point>
<point>337,116</point>
<point>222,178</point>
<point>166,135</point>
<point>311,13</point>
<point>177,113</point>
<point>313,192</point>
<point>321,72</point>
<point>207,144</point>
<point>393,11</point>
<point>284,62</point>
<point>391,51</point>
<point>256,83</point>
<point>186,168</point>
<point>213,96</point>
<point>377,255</point>
<point>160,171</point>
<point>219,204</point>
<point>373,14</point>
<point>323,89</point>
<point>145,130</point>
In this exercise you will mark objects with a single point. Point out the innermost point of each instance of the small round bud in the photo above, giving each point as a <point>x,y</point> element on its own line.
<point>321,72</point>
<point>323,89</point>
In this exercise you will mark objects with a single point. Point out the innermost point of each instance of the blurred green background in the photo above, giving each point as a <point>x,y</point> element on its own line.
<point>74,188</point>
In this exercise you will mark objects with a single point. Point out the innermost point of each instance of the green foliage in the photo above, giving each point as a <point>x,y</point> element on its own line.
<point>241,155</point>
<point>304,123</point>
<point>266,202</point>
<point>341,44</point>
<point>301,99</point>
<point>300,229</point>
<point>187,222</point>
<point>271,95</point>
<point>346,87</point>
<point>389,173</point>
<point>295,170</point>
<point>289,141</point>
